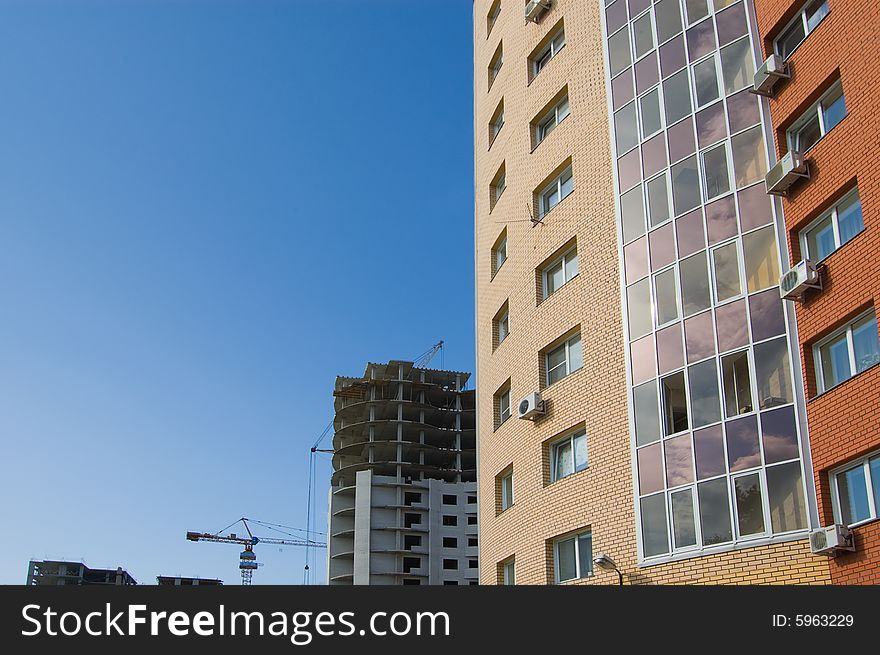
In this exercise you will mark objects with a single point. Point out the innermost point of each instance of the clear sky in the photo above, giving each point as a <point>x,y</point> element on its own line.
<point>208,210</point>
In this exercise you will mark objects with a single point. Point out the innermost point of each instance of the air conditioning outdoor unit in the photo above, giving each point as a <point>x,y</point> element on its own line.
<point>786,172</point>
<point>770,72</point>
<point>534,9</point>
<point>795,282</point>
<point>831,540</point>
<point>531,406</point>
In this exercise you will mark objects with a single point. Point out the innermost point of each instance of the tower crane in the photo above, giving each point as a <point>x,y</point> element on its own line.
<point>428,356</point>
<point>247,559</point>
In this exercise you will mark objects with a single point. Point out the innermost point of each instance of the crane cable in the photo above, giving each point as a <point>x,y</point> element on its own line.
<point>310,500</point>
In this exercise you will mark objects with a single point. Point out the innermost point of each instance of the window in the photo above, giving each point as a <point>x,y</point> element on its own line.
<point>450,565</point>
<point>499,252</point>
<point>502,325</point>
<point>643,36</point>
<point>410,563</point>
<point>716,176</point>
<point>412,581</point>
<point>471,520</point>
<point>818,120</point>
<point>834,228</point>
<point>472,542</point>
<point>411,541</point>
<point>506,481</point>
<point>495,64</point>
<point>551,119</point>
<point>857,491</point>
<point>725,266</point>
<point>494,11</point>
<point>674,400</point>
<point>555,192</point>
<point>473,564</point>
<point>849,351</point>
<point>705,74</point>
<point>411,497</point>
<point>568,455</point>
<point>508,572</point>
<point>573,557</point>
<point>503,399</point>
<point>472,500</point>
<point>564,359</point>
<point>410,519</point>
<point>496,123</point>
<point>497,186</point>
<point>545,54</point>
<point>560,271</point>
<point>450,542</point>
<point>736,378</point>
<point>450,520</point>
<point>649,112</point>
<point>450,499</point>
<point>666,296</point>
<point>804,23</point>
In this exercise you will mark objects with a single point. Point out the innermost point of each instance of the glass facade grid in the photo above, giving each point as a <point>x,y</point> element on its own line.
<point>749,483</point>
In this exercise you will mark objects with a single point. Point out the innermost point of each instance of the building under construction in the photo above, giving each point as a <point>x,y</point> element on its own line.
<point>55,572</point>
<point>403,497</point>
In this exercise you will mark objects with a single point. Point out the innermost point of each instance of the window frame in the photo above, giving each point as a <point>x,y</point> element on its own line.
<point>496,123</point>
<point>845,331</point>
<point>508,571</point>
<point>792,134</point>
<point>802,17</point>
<point>566,346</point>
<point>568,259</point>
<point>834,214</point>
<point>551,120</point>
<point>492,16</point>
<point>502,418</point>
<point>740,270</point>
<point>553,449</point>
<point>495,64</point>
<point>503,320</point>
<point>550,49</point>
<point>499,249</point>
<point>579,575</point>
<point>508,497</point>
<point>873,509</point>
<point>715,56</point>
<point>555,186</point>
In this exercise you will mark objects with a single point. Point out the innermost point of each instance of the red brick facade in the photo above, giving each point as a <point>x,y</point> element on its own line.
<point>844,423</point>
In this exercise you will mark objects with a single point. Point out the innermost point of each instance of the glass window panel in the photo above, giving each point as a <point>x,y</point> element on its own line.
<point>635,260</point>
<point>772,374</point>
<point>580,451</point>
<point>754,207</point>
<point>731,23</point>
<point>699,337</point>
<point>725,261</point>
<point>685,186</point>
<point>669,348</point>
<point>625,130</point>
<point>556,365</point>
<point>566,562</point>
<point>622,89</point>
<point>749,504</point>
<point>721,220</point>
<point>638,6</point>
<point>654,154</point>
<point>815,13</point>
<point>667,14</point>
<point>679,469</point>
<point>646,72</point>
<point>564,461</point>
<point>849,218</point>
<point>715,176</point>
<point>684,532</point>
<point>706,81</point>
<point>689,230</point>
<point>874,466</point>
<point>833,108</point>
<point>658,200</point>
<point>835,362</point>
<point>681,139</point>
<point>700,40</point>
<point>743,451</point>
<point>632,210</point>
<point>767,316</point>
<point>615,16</point>
<point>762,259</point>
<point>790,38</point>
<point>705,401</point>
<point>710,125</point>
<point>736,377</point>
<point>696,9</point>
<point>695,293</point>
<point>779,434</point>
<point>852,488</point>
<point>667,305</point>
<point>865,343</point>
<point>672,56</point>
<point>618,51</point>
<point>709,452</point>
<point>566,184</point>
<point>642,358</point>
<point>629,170</point>
<point>650,469</point>
<point>742,109</point>
<point>585,555</point>
<point>785,493</point>
<point>555,277</point>
<point>647,413</point>
<point>714,512</point>
<point>820,240</point>
<point>575,354</point>
<point>737,65</point>
<point>807,133</point>
<point>650,113</point>
<point>655,540</point>
<point>733,332</point>
<point>749,161</point>
<point>643,35</point>
<point>674,398</point>
<point>638,300</point>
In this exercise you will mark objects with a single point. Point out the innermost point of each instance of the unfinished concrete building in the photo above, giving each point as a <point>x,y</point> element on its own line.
<point>53,572</point>
<point>183,581</point>
<point>403,497</point>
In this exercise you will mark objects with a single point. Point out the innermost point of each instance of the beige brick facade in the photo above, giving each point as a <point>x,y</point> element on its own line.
<point>600,498</point>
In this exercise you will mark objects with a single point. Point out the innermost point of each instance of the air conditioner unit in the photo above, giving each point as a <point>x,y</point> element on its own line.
<point>786,172</point>
<point>795,282</point>
<point>531,406</point>
<point>831,540</point>
<point>534,9</point>
<point>770,72</point>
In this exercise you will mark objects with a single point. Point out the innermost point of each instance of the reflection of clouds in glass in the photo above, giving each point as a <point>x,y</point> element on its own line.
<point>742,444</point>
<point>732,329</point>
<point>780,435</point>
<point>709,452</point>
<point>768,319</point>
<point>699,337</point>
<point>678,461</point>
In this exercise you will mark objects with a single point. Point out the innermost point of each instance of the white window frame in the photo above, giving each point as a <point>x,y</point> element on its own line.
<point>499,254</point>
<point>579,575</point>
<point>635,56</point>
<point>833,214</point>
<point>873,510</point>
<point>555,187</point>
<point>552,119</point>
<point>719,81</point>
<point>504,319</point>
<point>662,113</point>
<point>802,17</point>
<point>566,345</point>
<point>740,269</point>
<point>492,16</point>
<point>540,60</point>
<point>753,384</point>
<point>569,260</point>
<point>495,65</point>
<point>501,412</point>
<point>728,161</point>
<point>554,449</point>
<point>508,571</point>
<point>656,296</point>
<point>846,332</point>
<point>507,493</point>
<point>791,134</point>
<point>761,472</point>
<point>497,125</point>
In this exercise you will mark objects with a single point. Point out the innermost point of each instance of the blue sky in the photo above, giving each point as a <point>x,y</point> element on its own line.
<point>208,210</point>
